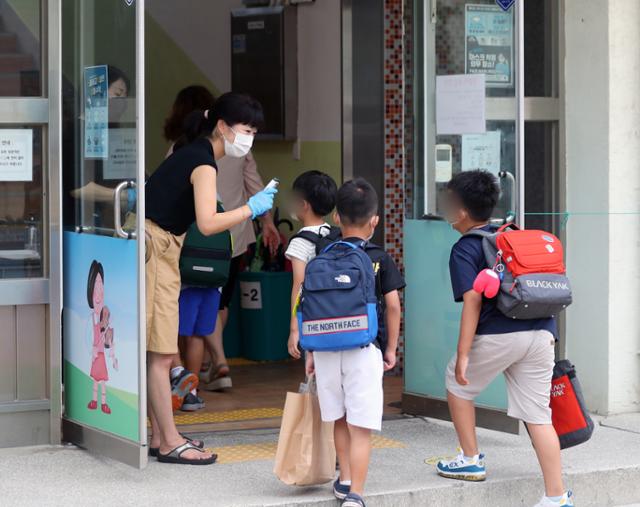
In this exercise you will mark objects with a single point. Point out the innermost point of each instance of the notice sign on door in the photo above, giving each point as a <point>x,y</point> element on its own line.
<point>16,149</point>
<point>122,161</point>
<point>96,112</point>
<point>489,44</point>
<point>481,151</point>
<point>460,104</point>
<point>251,295</point>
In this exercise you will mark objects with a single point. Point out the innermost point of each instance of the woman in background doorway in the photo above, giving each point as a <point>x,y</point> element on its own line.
<point>237,178</point>
<point>119,88</point>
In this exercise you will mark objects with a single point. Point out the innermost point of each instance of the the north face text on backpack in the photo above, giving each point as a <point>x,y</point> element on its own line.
<point>341,324</point>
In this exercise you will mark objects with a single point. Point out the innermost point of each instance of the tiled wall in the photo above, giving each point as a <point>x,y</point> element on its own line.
<point>394,121</point>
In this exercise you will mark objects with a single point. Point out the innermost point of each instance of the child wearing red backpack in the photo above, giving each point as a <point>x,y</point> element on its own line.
<point>490,343</point>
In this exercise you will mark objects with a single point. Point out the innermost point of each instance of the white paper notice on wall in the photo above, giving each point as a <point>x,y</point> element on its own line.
<point>481,151</point>
<point>460,104</point>
<point>251,295</point>
<point>122,161</point>
<point>16,155</point>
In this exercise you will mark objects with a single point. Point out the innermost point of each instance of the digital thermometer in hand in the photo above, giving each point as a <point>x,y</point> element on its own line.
<point>273,183</point>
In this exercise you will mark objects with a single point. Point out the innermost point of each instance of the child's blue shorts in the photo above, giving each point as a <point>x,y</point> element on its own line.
<point>198,311</point>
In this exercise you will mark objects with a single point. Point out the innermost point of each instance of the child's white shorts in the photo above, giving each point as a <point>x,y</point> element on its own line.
<point>526,358</point>
<point>350,382</point>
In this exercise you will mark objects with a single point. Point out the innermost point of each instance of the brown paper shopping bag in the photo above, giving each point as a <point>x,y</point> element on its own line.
<point>306,453</point>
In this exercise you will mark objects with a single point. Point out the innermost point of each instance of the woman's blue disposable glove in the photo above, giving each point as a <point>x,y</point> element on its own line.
<point>261,202</point>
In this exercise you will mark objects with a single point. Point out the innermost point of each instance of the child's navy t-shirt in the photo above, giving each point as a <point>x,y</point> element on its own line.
<point>466,261</point>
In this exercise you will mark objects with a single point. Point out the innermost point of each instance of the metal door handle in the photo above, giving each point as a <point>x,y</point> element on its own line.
<point>117,210</point>
<point>511,214</point>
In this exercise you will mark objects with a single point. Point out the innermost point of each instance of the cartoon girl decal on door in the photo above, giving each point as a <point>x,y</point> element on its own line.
<point>102,336</point>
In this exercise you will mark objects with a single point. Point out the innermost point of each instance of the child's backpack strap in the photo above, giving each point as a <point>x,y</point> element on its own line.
<point>319,240</point>
<point>489,247</point>
<point>480,233</point>
<point>348,244</point>
<point>310,236</point>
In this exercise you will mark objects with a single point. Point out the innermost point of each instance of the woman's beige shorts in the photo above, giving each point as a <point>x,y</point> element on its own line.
<point>162,288</point>
<point>526,359</point>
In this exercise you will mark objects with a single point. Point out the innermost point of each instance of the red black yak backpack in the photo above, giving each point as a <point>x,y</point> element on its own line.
<point>533,280</point>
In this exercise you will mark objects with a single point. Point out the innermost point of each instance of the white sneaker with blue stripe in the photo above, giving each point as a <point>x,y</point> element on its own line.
<point>340,491</point>
<point>464,469</point>
<point>565,501</point>
<point>352,500</point>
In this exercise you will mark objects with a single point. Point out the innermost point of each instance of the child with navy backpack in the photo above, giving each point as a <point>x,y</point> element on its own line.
<point>349,321</point>
<point>490,343</point>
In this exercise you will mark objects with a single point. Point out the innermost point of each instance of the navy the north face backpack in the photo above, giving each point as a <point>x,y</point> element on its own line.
<point>338,305</point>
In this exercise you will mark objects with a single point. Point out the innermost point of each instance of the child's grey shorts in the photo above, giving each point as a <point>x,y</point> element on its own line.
<point>526,358</point>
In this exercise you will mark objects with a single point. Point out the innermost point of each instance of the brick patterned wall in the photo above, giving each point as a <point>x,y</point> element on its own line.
<point>394,186</point>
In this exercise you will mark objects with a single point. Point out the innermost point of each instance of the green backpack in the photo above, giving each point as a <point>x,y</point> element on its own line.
<point>205,260</point>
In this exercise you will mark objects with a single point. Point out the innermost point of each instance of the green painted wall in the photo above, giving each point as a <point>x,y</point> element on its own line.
<point>29,12</point>
<point>169,69</point>
<point>275,159</point>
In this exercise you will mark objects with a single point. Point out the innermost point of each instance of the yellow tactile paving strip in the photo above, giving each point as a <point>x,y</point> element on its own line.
<point>267,450</point>
<point>227,416</point>
<point>434,460</point>
<point>248,414</point>
<point>247,452</point>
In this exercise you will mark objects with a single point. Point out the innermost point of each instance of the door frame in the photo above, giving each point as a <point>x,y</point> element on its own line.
<point>43,111</point>
<point>497,108</point>
<point>53,14</point>
<point>525,109</point>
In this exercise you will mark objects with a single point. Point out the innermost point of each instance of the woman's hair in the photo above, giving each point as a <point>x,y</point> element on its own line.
<point>233,108</point>
<point>114,73</point>
<point>95,270</point>
<point>189,99</point>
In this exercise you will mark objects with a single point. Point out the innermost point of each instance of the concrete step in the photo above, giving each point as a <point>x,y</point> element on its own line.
<point>605,472</point>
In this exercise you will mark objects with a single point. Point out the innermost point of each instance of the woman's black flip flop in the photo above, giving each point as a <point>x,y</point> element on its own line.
<point>175,456</point>
<point>154,451</point>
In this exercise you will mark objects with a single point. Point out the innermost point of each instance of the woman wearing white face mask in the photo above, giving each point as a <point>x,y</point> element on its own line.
<point>181,191</point>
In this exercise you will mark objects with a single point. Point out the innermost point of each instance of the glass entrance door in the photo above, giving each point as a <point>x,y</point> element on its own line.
<point>470,56</point>
<point>516,53</point>
<point>104,346</point>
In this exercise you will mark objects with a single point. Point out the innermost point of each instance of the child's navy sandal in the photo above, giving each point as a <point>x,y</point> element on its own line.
<point>353,500</point>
